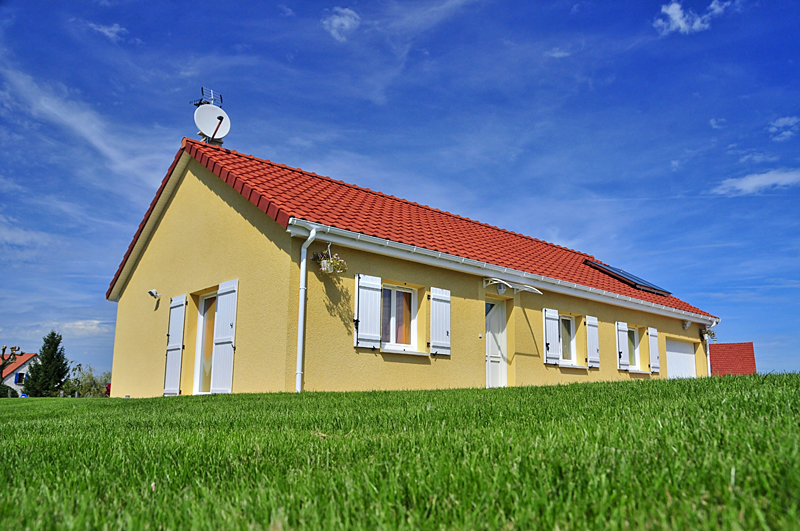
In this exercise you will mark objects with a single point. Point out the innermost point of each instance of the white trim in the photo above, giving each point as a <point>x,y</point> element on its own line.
<point>354,240</point>
<point>400,347</point>
<point>637,351</point>
<point>573,350</point>
<point>149,226</point>
<point>198,354</point>
<point>571,366</point>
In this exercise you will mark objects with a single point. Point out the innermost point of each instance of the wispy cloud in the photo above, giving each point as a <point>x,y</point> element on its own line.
<point>141,162</point>
<point>758,157</point>
<point>758,182</point>
<point>114,32</point>
<point>557,53</point>
<point>341,23</point>
<point>716,123</point>
<point>784,128</point>
<point>286,11</point>
<point>673,18</point>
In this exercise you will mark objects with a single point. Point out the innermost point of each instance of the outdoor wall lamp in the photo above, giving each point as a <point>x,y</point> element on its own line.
<point>154,293</point>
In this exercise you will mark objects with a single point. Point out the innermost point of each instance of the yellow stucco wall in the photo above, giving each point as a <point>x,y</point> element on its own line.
<point>210,234</point>
<point>333,363</point>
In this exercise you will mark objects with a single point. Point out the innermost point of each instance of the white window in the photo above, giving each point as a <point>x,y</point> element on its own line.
<point>398,318</point>
<point>566,331</point>
<point>633,349</point>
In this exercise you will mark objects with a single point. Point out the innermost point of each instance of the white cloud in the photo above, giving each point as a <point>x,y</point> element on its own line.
<point>758,157</point>
<point>674,165</point>
<point>716,123</point>
<point>784,128</point>
<point>758,182</point>
<point>673,18</point>
<point>114,32</point>
<point>88,327</point>
<point>286,11</point>
<point>557,53</point>
<point>341,22</point>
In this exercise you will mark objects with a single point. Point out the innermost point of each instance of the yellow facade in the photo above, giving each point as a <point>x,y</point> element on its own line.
<point>210,234</point>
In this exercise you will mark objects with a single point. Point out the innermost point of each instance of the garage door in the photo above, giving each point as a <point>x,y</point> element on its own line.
<point>680,359</point>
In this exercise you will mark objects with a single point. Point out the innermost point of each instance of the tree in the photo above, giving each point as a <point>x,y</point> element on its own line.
<point>47,377</point>
<point>86,382</point>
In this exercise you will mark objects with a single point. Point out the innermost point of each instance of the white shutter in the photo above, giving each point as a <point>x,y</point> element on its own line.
<point>368,311</point>
<point>440,321</point>
<point>224,335</point>
<point>592,342</point>
<point>655,359</point>
<point>623,356</point>
<point>172,376</point>
<point>552,343</point>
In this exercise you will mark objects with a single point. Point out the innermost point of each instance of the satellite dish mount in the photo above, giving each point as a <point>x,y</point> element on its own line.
<point>213,123</point>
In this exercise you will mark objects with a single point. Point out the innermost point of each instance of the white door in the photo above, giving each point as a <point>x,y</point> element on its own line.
<point>496,367</point>
<point>680,359</point>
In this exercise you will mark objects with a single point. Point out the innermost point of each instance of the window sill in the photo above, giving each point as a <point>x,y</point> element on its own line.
<point>633,371</point>
<point>392,349</point>
<point>572,366</point>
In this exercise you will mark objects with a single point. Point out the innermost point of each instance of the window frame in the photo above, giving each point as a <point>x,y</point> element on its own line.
<point>573,346</point>
<point>636,353</point>
<point>201,317</point>
<point>392,344</point>
<point>19,378</point>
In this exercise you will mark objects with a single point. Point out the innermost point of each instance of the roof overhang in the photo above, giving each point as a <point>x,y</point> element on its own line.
<point>362,242</point>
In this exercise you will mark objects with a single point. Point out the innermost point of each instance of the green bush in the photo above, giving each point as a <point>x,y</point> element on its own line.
<point>4,389</point>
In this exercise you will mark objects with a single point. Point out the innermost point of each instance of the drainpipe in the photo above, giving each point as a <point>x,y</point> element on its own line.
<point>301,313</point>
<point>708,346</point>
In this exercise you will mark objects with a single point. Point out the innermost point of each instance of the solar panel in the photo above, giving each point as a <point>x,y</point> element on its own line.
<point>627,278</point>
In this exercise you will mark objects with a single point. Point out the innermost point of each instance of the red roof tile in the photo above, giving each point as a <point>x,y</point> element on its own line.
<point>21,360</point>
<point>283,192</point>
<point>732,358</point>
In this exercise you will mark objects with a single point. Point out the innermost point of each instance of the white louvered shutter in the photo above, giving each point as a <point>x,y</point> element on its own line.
<point>172,374</point>
<point>655,358</point>
<point>623,356</point>
<point>592,342</point>
<point>552,343</point>
<point>224,337</point>
<point>368,311</point>
<point>440,321</point>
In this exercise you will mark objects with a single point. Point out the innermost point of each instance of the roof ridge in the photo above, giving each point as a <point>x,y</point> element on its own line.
<point>381,194</point>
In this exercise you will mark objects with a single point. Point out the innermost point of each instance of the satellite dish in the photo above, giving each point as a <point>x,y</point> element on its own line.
<point>212,122</point>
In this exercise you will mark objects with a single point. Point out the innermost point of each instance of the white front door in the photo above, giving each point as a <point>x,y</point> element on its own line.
<point>496,365</point>
<point>680,359</point>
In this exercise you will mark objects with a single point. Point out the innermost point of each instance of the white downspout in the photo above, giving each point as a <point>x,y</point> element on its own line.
<point>708,347</point>
<point>301,312</point>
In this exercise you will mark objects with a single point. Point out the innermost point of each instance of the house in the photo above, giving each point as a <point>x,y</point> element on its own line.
<point>15,373</point>
<point>217,293</point>
<point>732,358</point>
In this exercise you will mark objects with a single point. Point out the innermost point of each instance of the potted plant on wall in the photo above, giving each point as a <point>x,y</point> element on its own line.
<point>329,263</point>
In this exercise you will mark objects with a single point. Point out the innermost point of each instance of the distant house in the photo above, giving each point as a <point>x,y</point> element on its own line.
<point>218,293</point>
<point>732,358</point>
<point>14,374</point>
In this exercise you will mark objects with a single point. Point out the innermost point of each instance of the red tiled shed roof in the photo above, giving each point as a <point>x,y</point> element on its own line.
<point>732,358</point>
<point>21,360</point>
<point>283,193</point>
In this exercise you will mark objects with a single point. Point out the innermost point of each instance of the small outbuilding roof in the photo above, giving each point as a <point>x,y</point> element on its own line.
<point>732,358</point>
<point>283,193</point>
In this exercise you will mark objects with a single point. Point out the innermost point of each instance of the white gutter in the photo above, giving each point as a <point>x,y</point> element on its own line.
<point>354,240</point>
<point>301,312</point>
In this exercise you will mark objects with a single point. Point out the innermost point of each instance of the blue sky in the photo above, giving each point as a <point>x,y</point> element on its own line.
<point>660,137</point>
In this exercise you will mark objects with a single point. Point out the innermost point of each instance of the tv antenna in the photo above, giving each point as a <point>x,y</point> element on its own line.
<point>213,123</point>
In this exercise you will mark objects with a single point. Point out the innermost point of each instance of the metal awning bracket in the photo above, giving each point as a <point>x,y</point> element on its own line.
<point>513,285</point>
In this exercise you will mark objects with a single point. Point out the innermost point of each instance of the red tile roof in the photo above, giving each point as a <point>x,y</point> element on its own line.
<point>732,358</point>
<point>283,192</point>
<point>21,360</point>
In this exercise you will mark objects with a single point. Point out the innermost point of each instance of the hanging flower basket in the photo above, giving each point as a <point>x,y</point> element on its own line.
<point>329,263</point>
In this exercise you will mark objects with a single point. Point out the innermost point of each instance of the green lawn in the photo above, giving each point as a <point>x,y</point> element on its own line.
<point>708,453</point>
